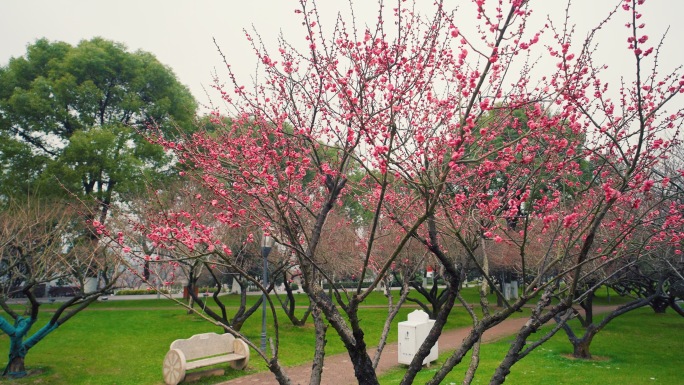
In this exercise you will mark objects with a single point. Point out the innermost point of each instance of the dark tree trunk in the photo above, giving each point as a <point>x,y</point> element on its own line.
<point>241,314</point>
<point>277,370</point>
<point>588,306</point>
<point>501,295</point>
<point>351,333</point>
<point>659,304</point>
<point>363,365</point>
<point>237,324</point>
<point>581,345</point>
<point>581,348</point>
<point>675,306</point>
<point>192,280</point>
<point>499,300</point>
<point>289,307</point>
<point>434,297</point>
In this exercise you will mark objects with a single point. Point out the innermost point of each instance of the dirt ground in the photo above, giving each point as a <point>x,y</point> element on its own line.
<point>339,371</point>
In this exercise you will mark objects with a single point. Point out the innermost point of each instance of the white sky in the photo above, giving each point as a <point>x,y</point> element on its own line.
<point>179,32</point>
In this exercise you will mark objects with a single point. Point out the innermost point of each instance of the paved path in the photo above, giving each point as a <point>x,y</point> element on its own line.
<point>338,369</point>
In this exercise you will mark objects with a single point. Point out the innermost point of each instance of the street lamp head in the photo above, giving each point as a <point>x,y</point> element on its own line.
<point>267,242</point>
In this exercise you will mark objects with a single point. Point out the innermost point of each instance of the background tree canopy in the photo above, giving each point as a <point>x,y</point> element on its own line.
<point>74,115</point>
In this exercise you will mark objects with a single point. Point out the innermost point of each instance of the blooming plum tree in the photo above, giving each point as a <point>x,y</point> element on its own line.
<point>420,123</point>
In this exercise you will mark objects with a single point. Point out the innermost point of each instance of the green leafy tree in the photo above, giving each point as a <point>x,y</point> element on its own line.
<point>76,114</point>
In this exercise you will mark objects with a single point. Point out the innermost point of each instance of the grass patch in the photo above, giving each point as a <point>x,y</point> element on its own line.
<point>638,348</point>
<point>124,341</point>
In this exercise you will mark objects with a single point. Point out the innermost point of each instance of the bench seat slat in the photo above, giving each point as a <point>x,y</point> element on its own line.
<point>214,360</point>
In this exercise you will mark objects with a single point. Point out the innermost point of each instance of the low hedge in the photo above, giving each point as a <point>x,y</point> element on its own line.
<point>347,285</point>
<point>140,291</point>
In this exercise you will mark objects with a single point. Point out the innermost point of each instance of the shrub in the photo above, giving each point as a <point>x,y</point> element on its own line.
<point>347,285</point>
<point>140,291</point>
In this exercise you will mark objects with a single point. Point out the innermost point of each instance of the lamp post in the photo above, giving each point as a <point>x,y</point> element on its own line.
<point>266,245</point>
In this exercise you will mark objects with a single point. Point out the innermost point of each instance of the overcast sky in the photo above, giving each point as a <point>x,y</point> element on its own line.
<point>180,32</point>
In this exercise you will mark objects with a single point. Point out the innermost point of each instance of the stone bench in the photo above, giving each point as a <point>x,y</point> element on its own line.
<point>203,350</point>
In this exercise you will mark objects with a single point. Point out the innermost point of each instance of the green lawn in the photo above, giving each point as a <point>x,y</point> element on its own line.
<point>640,347</point>
<point>124,342</point>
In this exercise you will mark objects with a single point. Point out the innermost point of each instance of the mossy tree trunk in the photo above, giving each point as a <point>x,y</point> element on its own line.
<point>19,344</point>
<point>17,352</point>
<point>18,332</point>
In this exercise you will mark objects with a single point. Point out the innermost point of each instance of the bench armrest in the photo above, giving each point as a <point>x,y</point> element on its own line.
<point>175,366</point>
<point>240,347</point>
